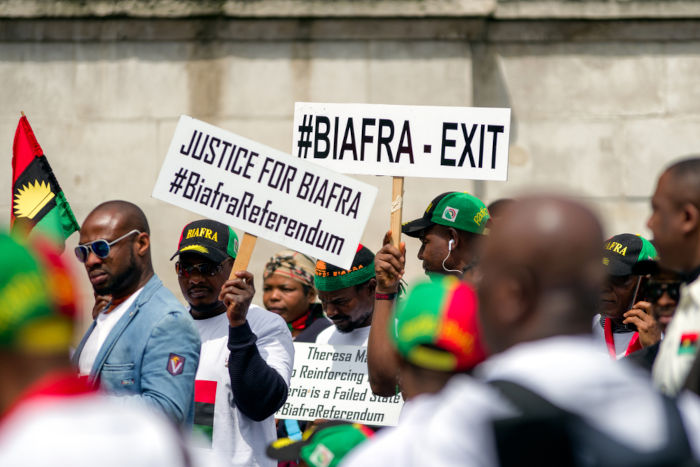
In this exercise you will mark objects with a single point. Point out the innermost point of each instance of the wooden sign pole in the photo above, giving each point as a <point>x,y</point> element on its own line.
<point>245,251</point>
<point>396,206</point>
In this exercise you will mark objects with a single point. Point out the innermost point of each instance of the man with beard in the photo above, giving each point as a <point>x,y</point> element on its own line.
<point>247,352</point>
<point>347,296</point>
<point>142,344</point>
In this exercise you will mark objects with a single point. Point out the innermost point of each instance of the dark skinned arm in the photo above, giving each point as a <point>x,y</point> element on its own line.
<point>382,360</point>
<point>258,389</point>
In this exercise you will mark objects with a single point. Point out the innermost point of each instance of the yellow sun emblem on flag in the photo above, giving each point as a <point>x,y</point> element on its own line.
<point>31,198</point>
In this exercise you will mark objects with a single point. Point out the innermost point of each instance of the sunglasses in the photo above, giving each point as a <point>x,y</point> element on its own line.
<point>655,290</point>
<point>100,247</point>
<point>204,269</point>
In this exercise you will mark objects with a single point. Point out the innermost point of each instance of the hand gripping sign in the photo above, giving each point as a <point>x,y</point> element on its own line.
<point>264,192</point>
<point>468,143</point>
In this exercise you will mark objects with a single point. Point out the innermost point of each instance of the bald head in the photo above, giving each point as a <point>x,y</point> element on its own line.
<point>128,215</point>
<point>685,175</point>
<point>542,271</point>
<point>127,266</point>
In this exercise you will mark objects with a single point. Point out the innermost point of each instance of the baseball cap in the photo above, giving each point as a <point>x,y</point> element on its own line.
<point>37,297</point>
<point>211,239</point>
<point>452,209</point>
<point>323,446</point>
<point>623,252</point>
<point>437,326</point>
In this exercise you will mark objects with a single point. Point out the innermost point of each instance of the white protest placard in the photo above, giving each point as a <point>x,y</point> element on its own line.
<point>404,140</point>
<point>330,382</point>
<point>264,192</point>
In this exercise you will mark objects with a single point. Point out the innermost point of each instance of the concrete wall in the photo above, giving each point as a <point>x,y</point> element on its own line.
<point>604,94</point>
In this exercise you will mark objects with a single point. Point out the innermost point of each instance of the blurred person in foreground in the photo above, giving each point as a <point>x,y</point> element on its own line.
<point>247,353</point>
<point>288,290</point>
<point>436,337</point>
<point>142,344</point>
<point>451,232</point>
<point>323,445</point>
<point>542,275</point>
<point>625,323</point>
<point>50,416</point>
<point>675,222</point>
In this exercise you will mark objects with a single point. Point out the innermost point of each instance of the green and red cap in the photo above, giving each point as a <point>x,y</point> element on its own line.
<point>211,239</point>
<point>623,252</point>
<point>323,446</point>
<point>451,209</point>
<point>437,326</point>
<point>37,297</point>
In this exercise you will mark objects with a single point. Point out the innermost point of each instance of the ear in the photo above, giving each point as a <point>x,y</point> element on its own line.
<point>517,300</point>
<point>143,243</point>
<point>371,287</point>
<point>452,234</point>
<point>691,218</point>
<point>311,295</point>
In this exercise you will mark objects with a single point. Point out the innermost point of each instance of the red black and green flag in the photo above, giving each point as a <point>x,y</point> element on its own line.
<point>38,203</point>
<point>204,400</point>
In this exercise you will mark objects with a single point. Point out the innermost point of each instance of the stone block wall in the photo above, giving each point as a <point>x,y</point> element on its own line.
<point>603,94</point>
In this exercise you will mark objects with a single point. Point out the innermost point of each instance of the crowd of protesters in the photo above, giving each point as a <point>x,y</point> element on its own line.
<point>533,340</point>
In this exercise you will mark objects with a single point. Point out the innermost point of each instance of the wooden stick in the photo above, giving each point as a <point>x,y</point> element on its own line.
<point>244,253</point>
<point>396,207</point>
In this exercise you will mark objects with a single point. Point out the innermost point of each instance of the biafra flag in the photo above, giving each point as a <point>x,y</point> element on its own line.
<point>38,202</point>
<point>204,402</point>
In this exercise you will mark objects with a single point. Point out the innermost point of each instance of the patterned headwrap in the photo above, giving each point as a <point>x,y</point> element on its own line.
<point>291,264</point>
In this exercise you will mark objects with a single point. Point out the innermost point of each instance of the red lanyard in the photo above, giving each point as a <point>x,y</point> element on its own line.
<point>633,346</point>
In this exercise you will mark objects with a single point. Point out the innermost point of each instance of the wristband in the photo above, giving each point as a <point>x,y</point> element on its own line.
<point>384,296</point>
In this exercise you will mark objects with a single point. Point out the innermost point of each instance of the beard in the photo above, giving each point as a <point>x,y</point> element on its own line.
<point>349,325</point>
<point>122,280</point>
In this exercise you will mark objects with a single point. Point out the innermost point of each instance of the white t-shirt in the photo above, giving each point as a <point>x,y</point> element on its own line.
<point>235,437</point>
<point>390,445</point>
<point>104,323</point>
<point>681,340</point>
<point>89,430</point>
<point>615,397</point>
<point>622,339</point>
<point>332,336</point>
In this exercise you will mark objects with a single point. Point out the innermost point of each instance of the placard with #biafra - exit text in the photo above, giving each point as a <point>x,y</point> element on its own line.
<point>404,140</point>
<point>330,382</point>
<point>265,192</point>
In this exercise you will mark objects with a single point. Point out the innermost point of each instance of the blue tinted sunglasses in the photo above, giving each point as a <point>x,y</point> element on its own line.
<point>99,247</point>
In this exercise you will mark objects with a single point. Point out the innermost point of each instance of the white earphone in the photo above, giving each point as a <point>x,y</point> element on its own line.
<point>449,244</point>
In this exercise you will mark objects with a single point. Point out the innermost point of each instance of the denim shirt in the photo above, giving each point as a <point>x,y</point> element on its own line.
<point>151,353</point>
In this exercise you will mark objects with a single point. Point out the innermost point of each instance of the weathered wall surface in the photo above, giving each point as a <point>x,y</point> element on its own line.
<point>604,94</point>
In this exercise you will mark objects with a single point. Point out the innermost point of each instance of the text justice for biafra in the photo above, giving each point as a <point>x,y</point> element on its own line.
<point>276,174</point>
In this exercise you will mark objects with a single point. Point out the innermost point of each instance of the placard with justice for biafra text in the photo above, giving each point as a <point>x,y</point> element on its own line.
<point>265,192</point>
<point>330,382</point>
<point>404,140</point>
